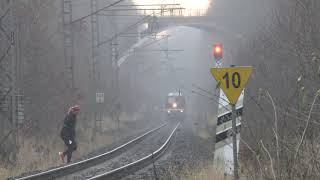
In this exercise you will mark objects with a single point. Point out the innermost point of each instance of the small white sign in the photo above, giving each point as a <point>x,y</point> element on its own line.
<point>100,97</point>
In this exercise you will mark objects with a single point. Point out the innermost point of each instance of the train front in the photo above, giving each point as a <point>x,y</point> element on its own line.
<point>175,106</point>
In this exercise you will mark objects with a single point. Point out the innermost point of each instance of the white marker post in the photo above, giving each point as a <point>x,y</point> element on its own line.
<point>224,145</point>
<point>232,82</point>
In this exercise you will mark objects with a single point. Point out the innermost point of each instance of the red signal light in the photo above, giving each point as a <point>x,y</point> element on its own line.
<point>218,51</point>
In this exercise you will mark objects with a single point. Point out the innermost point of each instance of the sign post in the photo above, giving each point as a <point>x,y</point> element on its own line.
<point>232,81</point>
<point>234,142</point>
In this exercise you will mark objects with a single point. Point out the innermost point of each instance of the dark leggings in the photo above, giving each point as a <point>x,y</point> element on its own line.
<point>70,148</point>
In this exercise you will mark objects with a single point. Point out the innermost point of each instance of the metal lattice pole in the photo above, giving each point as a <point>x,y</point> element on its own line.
<point>115,81</point>
<point>115,75</point>
<point>95,60</point>
<point>68,40</point>
<point>95,39</point>
<point>8,71</point>
<point>13,81</point>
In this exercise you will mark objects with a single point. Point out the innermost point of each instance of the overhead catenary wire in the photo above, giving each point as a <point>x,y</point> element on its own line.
<point>208,92</point>
<point>204,90</point>
<point>173,7</point>
<point>119,15</point>
<point>97,11</point>
<point>149,9</point>
<point>140,21</point>
<point>155,41</point>
<point>125,30</point>
<point>135,5</point>
<point>210,98</point>
<point>128,28</point>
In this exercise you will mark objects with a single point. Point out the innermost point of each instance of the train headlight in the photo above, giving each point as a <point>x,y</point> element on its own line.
<point>174,105</point>
<point>181,110</point>
<point>169,111</point>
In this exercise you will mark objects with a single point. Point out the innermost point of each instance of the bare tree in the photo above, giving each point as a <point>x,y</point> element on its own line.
<point>286,59</point>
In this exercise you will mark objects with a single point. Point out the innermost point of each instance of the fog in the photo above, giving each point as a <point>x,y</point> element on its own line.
<point>148,77</point>
<point>39,84</point>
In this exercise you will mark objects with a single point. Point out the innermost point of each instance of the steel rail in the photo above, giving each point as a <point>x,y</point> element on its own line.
<point>84,164</point>
<point>137,165</point>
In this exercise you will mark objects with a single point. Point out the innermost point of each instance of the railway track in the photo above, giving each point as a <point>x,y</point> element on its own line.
<point>144,148</point>
<point>87,163</point>
<point>136,165</point>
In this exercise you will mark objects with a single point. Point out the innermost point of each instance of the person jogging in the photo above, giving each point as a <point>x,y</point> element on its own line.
<point>68,133</point>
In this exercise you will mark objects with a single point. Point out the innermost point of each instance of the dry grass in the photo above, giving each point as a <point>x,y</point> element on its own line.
<point>207,172</point>
<point>4,173</point>
<point>34,154</point>
<point>42,153</point>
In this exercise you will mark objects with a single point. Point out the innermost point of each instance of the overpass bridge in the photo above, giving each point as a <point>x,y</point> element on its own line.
<point>158,23</point>
<point>202,22</point>
<point>158,17</point>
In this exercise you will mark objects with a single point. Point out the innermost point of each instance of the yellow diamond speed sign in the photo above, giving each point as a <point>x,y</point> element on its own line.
<point>232,80</point>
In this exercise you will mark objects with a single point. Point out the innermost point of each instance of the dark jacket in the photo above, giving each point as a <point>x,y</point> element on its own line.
<point>69,127</point>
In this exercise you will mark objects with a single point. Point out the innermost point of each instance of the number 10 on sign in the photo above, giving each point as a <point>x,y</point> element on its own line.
<point>232,80</point>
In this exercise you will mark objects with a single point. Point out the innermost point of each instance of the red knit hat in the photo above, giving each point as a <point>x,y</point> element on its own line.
<point>75,108</point>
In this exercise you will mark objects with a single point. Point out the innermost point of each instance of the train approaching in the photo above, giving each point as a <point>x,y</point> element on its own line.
<point>175,106</point>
